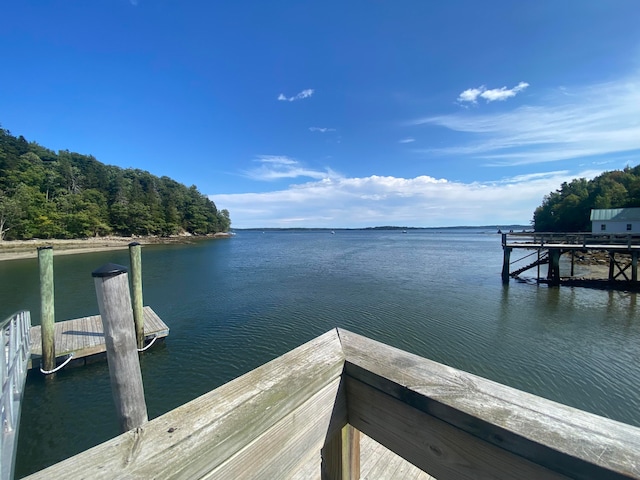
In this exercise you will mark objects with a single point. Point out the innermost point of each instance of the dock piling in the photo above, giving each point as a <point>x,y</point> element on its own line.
<point>505,263</point>
<point>114,303</point>
<point>136,288</point>
<point>47,308</point>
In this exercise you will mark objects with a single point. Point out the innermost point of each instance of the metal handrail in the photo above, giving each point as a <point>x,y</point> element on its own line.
<point>14,332</point>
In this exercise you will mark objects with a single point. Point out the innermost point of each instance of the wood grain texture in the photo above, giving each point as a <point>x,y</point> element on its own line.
<point>561,438</point>
<point>47,308</point>
<point>432,445</point>
<point>114,303</point>
<point>197,438</point>
<point>341,455</point>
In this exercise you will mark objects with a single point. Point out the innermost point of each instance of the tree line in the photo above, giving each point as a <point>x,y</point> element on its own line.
<point>568,209</point>
<point>44,194</point>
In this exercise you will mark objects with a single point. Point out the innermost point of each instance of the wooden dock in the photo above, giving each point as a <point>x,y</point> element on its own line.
<point>623,252</point>
<point>379,463</point>
<point>84,337</point>
<point>311,412</point>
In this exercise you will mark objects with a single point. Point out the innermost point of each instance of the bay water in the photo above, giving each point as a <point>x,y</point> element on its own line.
<point>234,304</point>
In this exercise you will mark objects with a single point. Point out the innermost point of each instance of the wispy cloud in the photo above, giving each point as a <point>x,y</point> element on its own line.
<point>276,167</point>
<point>334,201</point>
<point>570,123</point>
<point>321,129</point>
<point>303,94</point>
<point>407,140</point>
<point>490,95</point>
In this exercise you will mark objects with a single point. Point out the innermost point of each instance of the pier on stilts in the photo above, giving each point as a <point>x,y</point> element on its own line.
<point>621,252</point>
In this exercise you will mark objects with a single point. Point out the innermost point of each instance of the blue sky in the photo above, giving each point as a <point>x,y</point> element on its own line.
<point>334,114</point>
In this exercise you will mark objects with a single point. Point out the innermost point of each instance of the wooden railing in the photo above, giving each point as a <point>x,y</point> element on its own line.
<point>578,238</point>
<point>298,416</point>
<point>13,373</point>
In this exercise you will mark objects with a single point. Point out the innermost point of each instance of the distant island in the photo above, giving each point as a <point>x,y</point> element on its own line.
<point>67,195</point>
<point>492,228</point>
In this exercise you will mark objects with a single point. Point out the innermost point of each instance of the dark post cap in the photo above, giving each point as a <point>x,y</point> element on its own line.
<point>134,244</point>
<point>47,247</point>
<point>109,270</point>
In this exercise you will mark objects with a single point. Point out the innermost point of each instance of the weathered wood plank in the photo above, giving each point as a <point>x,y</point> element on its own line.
<point>277,452</point>
<point>198,437</point>
<point>561,438</point>
<point>432,445</point>
<point>375,461</point>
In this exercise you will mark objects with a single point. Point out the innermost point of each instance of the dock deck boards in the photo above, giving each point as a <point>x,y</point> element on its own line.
<point>379,463</point>
<point>85,337</point>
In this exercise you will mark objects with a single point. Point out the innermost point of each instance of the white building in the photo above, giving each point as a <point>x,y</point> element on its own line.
<point>615,220</point>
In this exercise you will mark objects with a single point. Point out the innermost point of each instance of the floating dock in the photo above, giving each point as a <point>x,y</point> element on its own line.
<point>84,337</point>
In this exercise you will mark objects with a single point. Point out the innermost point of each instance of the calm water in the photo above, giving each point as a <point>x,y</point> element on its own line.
<point>235,304</point>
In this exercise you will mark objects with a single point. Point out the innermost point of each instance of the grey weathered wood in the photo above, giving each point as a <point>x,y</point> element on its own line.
<point>47,311</point>
<point>135,259</point>
<point>199,437</point>
<point>434,446</point>
<point>273,421</point>
<point>557,437</point>
<point>378,462</point>
<point>114,303</point>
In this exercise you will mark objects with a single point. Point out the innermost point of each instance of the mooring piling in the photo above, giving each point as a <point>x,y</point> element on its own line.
<point>47,308</point>
<point>114,302</point>
<point>135,259</point>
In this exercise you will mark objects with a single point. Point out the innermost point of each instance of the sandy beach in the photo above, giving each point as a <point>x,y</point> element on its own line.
<point>19,249</point>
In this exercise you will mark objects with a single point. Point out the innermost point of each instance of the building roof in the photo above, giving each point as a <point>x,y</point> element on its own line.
<point>615,214</point>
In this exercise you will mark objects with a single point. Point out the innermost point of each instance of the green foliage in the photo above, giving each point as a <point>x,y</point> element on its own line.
<point>69,195</point>
<point>568,209</point>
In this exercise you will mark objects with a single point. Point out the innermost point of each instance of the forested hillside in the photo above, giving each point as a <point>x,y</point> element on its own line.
<point>568,209</point>
<point>44,194</point>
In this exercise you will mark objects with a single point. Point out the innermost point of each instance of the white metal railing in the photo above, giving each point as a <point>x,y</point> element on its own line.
<point>14,333</point>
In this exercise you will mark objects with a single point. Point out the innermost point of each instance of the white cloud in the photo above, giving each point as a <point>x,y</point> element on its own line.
<point>321,129</point>
<point>275,167</point>
<point>470,95</point>
<point>333,201</point>
<point>602,119</point>
<point>303,94</point>
<point>495,94</point>
<point>407,140</point>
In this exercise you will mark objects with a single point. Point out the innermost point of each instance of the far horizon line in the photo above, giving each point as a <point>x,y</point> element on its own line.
<point>391,227</point>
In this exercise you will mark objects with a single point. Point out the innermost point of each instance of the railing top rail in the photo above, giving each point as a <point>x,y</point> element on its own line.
<point>8,319</point>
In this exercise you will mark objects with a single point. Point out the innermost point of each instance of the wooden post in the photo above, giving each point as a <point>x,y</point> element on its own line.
<point>553,274</point>
<point>136,288</point>
<point>573,257</point>
<point>341,455</point>
<point>505,264</point>
<point>612,261</point>
<point>114,303</point>
<point>47,308</point>
<point>634,266</point>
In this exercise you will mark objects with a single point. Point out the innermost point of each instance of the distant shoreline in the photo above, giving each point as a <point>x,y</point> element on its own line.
<point>21,249</point>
